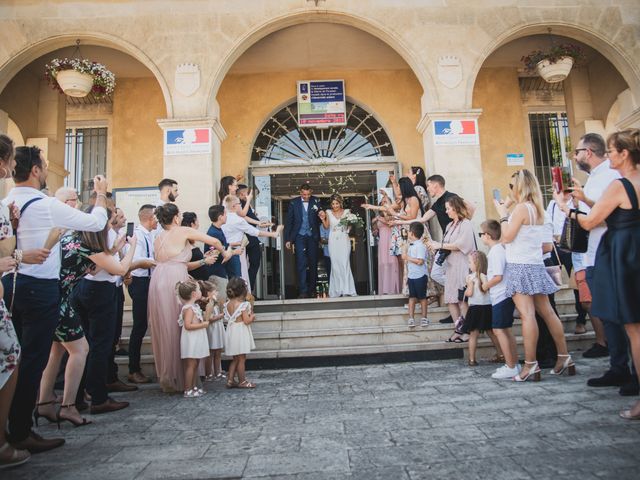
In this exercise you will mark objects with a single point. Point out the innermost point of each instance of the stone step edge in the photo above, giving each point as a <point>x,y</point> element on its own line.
<point>319,314</point>
<point>339,331</point>
<point>367,349</point>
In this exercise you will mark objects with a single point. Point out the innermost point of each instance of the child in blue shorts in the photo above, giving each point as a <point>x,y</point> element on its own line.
<point>416,258</point>
<point>501,306</point>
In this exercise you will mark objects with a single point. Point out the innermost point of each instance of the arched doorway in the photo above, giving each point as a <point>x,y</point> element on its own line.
<point>353,160</point>
<point>116,135</point>
<point>543,121</point>
<point>383,96</point>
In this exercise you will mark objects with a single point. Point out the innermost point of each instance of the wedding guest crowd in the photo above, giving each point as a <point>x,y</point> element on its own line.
<point>64,271</point>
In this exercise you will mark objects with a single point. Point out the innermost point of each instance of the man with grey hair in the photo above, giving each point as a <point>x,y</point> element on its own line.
<point>68,195</point>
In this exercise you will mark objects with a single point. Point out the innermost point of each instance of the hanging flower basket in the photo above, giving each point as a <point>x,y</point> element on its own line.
<point>79,77</point>
<point>554,72</point>
<point>554,64</point>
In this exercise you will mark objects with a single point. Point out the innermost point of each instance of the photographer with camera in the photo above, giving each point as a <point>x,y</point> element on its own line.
<point>457,243</point>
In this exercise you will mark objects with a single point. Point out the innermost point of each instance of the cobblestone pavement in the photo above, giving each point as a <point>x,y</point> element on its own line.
<point>432,420</point>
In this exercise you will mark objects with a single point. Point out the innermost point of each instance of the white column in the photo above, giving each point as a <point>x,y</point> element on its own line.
<point>198,175</point>
<point>460,165</point>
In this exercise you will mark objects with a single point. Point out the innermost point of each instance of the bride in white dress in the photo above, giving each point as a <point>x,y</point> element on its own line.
<point>341,282</point>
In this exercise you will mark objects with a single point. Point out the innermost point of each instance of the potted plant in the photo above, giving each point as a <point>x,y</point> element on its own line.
<point>554,64</point>
<point>77,77</point>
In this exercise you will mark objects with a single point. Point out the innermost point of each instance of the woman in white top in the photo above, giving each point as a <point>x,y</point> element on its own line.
<point>526,279</point>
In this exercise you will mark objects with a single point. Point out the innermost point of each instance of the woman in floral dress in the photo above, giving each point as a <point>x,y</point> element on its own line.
<point>81,253</point>
<point>9,345</point>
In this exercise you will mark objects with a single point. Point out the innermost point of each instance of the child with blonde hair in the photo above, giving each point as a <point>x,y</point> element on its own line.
<point>194,344</point>
<point>215,332</point>
<point>478,319</point>
<point>239,339</point>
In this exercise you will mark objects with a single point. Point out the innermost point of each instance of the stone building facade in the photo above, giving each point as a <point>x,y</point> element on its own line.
<point>408,63</point>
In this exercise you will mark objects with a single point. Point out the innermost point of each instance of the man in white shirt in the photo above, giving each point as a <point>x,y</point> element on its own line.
<point>236,227</point>
<point>143,263</point>
<point>590,157</point>
<point>36,309</point>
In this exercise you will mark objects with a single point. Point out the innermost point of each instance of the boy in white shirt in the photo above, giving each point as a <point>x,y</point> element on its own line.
<point>416,256</point>
<point>501,306</point>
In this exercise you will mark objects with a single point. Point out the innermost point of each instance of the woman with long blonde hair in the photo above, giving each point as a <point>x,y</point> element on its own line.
<point>527,281</point>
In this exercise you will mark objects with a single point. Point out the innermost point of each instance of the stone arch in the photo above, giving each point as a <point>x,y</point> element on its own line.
<point>21,59</point>
<point>368,25</point>
<point>618,57</point>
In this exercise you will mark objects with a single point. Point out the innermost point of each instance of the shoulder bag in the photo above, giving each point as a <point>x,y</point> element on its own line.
<point>574,237</point>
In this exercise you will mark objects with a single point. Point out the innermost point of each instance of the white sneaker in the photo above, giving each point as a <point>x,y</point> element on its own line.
<point>506,373</point>
<point>411,323</point>
<point>424,322</point>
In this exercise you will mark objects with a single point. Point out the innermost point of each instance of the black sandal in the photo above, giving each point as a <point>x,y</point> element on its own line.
<point>71,420</point>
<point>37,414</point>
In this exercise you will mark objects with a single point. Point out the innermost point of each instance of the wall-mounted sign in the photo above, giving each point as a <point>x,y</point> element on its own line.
<point>189,141</point>
<point>321,103</point>
<point>455,132</point>
<point>515,159</point>
<point>131,199</point>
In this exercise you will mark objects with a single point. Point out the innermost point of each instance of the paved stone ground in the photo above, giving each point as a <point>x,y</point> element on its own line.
<point>397,421</point>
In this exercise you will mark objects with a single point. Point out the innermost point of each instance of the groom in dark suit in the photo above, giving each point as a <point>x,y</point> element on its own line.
<point>302,229</point>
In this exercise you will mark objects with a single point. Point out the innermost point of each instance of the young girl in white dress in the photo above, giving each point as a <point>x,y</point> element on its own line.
<point>239,339</point>
<point>215,332</point>
<point>194,343</point>
<point>478,319</point>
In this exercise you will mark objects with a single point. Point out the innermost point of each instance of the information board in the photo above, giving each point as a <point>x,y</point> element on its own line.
<point>129,200</point>
<point>321,103</point>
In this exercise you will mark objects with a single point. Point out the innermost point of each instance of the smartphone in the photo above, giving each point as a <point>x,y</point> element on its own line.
<point>556,179</point>
<point>91,184</point>
<point>129,229</point>
<point>496,194</point>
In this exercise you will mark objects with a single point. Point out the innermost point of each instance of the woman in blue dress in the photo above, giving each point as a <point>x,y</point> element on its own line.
<point>616,273</point>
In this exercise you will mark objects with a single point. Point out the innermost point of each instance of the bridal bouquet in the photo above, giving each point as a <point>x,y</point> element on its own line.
<point>351,220</point>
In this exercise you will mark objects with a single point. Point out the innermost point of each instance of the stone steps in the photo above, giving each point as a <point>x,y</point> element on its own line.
<point>366,330</point>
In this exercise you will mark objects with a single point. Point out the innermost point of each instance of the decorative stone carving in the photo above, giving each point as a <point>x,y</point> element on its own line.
<point>187,78</point>
<point>449,71</point>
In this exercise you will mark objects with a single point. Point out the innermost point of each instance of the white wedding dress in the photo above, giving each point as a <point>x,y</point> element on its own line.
<point>341,282</point>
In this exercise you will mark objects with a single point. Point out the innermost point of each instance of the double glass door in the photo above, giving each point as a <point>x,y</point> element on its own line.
<point>278,277</point>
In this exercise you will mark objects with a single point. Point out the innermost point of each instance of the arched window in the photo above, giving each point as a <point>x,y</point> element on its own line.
<point>281,140</point>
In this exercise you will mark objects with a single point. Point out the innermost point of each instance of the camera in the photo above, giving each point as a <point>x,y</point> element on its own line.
<point>442,256</point>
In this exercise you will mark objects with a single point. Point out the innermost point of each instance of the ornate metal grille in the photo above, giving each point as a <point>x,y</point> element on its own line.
<point>281,140</point>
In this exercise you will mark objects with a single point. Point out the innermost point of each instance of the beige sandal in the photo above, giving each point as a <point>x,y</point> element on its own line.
<point>18,457</point>
<point>246,384</point>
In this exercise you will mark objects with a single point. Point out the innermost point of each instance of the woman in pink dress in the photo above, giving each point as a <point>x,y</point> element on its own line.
<point>172,250</point>
<point>388,266</point>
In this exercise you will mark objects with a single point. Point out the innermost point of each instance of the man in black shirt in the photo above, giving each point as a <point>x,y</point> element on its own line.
<point>435,188</point>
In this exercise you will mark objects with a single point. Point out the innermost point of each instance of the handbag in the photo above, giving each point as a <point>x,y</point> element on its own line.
<point>555,271</point>
<point>574,237</point>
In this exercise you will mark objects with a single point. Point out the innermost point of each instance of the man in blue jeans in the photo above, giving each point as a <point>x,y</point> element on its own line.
<point>36,309</point>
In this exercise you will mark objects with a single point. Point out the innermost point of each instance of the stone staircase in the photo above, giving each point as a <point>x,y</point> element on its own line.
<point>355,330</point>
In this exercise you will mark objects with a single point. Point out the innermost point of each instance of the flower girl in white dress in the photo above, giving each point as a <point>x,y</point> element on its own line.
<point>215,332</point>
<point>194,343</point>
<point>239,339</point>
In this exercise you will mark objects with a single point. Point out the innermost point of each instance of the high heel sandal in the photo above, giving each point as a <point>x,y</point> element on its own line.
<point>37,414</point>
<point>71,420</point>
<point>533,373</point>
<point>567,366</point>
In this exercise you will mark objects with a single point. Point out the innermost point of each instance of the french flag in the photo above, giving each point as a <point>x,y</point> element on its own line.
<point>455,127</point>
<point>188,136</point>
